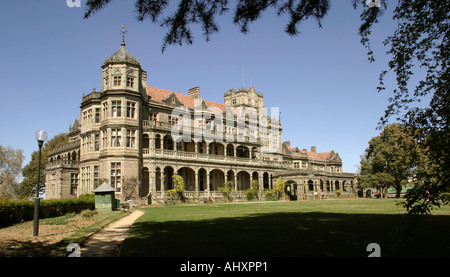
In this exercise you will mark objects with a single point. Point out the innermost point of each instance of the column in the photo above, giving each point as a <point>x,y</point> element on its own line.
<point>197,182</point>
<point>261,185</point>
<point>163,184</point>
<point>152,182</point>
<point>207,182</point>
<point>235,181</point>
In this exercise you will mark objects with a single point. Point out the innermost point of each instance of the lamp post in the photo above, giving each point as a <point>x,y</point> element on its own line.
<point>40,136</point>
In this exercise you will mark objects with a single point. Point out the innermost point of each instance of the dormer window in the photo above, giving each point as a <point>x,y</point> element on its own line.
<point>130,82</point>
<point>117,80</point>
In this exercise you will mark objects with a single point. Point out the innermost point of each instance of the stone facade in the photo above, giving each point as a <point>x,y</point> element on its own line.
<point>135,137</point>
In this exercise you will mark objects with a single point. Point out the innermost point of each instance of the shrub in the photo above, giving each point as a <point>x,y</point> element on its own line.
<point>252,192</point>
<point>227,190</point>
<point>12,212</point>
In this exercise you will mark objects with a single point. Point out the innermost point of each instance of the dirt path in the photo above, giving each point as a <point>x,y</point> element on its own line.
<point>106,243</point>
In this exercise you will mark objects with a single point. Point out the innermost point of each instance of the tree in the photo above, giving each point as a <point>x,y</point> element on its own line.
<point>390,159</point>
<point>178,191</point>
<point>10,166</point>
<point>204,12</point>
<point>279,187</point>
<point>30,171</point>
<point>419,46</point>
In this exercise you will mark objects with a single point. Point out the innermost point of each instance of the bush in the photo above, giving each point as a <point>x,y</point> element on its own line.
<point>12,212</point>
<point>252,192</point>
<point>227,189</point>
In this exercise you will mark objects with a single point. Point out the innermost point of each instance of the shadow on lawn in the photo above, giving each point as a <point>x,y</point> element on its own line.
<point>291,235</point>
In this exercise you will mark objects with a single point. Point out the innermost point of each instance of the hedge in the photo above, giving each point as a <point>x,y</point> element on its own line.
<point>12,212</point>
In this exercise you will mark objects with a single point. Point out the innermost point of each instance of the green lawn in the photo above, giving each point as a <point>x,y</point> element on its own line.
<point>318,228</point>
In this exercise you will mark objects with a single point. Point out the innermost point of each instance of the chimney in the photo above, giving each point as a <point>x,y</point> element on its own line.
<point>194,92</point>
<point>314,149</point>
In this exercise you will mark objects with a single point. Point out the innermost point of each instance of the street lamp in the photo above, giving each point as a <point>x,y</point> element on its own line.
<point>40,136</point>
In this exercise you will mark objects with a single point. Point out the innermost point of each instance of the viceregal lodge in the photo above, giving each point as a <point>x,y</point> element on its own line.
<point>135,137</point>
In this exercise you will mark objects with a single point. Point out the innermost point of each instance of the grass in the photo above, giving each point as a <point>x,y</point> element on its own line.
<point>320,228</point>
<point>103,219</point>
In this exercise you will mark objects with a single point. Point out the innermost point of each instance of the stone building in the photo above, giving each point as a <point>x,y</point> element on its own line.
<point>135,137</point>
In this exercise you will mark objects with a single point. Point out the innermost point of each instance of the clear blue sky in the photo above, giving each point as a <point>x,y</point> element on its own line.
<point>321,80</point>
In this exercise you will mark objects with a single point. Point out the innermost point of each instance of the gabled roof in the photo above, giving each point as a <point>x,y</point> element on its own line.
<point>157,94</point>
<point>105,187</point>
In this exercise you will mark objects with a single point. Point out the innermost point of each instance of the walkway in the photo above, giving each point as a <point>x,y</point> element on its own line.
<point>107,242</point>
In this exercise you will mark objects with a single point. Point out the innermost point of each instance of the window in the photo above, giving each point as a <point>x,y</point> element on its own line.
<point>116,107</point>
<point>173,120</point>
<point>131,138</point>
<point>96,176</point>
<point>234,101</point>
<point>115,137</point>
<point>115,176</point>
<point>117,80</point>
<point>73,184</point>
<point>130,82</point>
<point>97,115</point>
<point>87,115</point>
<point>96,142</point>
<point>296,165</point>
<point>105,109</point>
<point>152,117</point>
<point>131,109</point>
<point>104,139</point>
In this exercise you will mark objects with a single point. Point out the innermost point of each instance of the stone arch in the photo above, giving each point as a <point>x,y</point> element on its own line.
<point>157,141</point>
<point>230,175</point>
<point>201,147</point>
<point>168,143</point>
<point>336,185</point>
<point>242,151</point>
<point>254,153</point>
<point>167,177</point>
<point>145,183</point>
<point>266,180</point>
<point>216,179</point>
<point>243,180</point>
<point>188,175</point>
<point>145,141</point>
<point>158,179</point>
<point>74,156</point>
<point>230,150</point>
<point>202,179</point>
<point>216,148</point>
<point>310,185</point>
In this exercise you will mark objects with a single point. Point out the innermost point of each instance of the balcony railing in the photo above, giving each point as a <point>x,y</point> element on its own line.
<point>166,126</point>
<point>184,155</point>
<point>63,163</point>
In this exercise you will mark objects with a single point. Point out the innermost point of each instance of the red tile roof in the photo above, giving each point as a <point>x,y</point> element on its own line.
<point>319,156</point>
<point>158,94</point>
